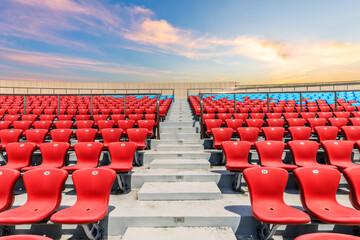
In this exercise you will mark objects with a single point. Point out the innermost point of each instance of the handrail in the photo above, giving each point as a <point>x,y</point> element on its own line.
<point>212,88</point>
<point>201,95</point>
<point>158,97</point>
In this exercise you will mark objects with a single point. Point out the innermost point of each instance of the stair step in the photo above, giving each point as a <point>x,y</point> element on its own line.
<point>155,143</point>
<point>175,191</point>
<point>179,129</point>
<point>176,136</point>
<point>180,233</point>
<point>179,147</point>
<point>177,124</point>
<point>150,155</point>
<point>180,164</point>
<point>139,177</point>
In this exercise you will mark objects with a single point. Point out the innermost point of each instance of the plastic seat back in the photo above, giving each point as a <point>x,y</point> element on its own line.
<point>325,115</point>
<point>212,123</point>
<point>36,136</point>
<point>274,133</point>
<point>273,115</point>
<point>338,153</point>
<point>47,118</point>
<point>326,133</point>
<point>342,115</point>
<point>30,117</point>
<point>311,182</point>
<point>138,136</point>
<point>54,153</point>
<point>65,117</point>
<point>327,236</point>
<point>122,153</point>
<point>11,118</point>
<point>236,152</point>
<point>351,133</point>
<point>61,135</point>
<point>289,115</point>
<point>307,115</point>
<point>88,152</point>
<point>83,117</point>
<point>355,121</point>
<point>117,117</point>
<point>304,152</point>
<point>275,122</point>
<point>258,123</point>
<point>111,135</point>
<point>65,124</point>
<point>86,135</point>
<point>315,122</point>
<point>299,133</point>
<point>5,125</point>
<point>352,176</point>
<point>224,116</point>
<point>270,151</point>
<point>296,122</point>
<point>338,122</point>
<point>102,124</point>
<point>220,135</point>
<point>242,116</point>
<point>80,124</point>
<point>19,154</point>
<point>8,179</point>
<point>99,117</point>
<point>249,134</point>
<point>9,136</point>
<point>148,124</point>
<point>234,124</point>
<point>125,125</point>
<point>42,125</point>
<point>23,125</point>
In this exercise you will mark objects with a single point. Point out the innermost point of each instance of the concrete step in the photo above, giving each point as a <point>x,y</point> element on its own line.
<point>179,147</point>
<point>180,233</point>
<point>155,143</point>
<point>178,191</point>
<point>180,164</point>
<point>178,129</point>
<point>183,136</point>
<point>150,155</point>
<point>176,124</point>
<point>139,177</point>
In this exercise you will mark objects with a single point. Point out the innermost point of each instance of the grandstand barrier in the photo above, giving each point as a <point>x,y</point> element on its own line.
<point>270,99</point>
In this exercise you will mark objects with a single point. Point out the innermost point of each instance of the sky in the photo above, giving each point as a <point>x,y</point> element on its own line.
<point>148,41</point>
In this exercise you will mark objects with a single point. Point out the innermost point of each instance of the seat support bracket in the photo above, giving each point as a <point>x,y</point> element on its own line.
<point>93,231</point>
<point>266,232</point>
<point>237,182</point>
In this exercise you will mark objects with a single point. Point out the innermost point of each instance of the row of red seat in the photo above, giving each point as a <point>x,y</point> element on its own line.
<point>318,187</point>
<point>44,193</point>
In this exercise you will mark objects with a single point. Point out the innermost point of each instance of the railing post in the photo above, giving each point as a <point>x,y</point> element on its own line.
<point>234,102</point>
<point>158,115</point>
<point>173,91</point>
<point>24,104</point>
<point>268,102</point>
<point>125,105</point>
<point>58,105</point>
<point>201,116</point>
<point>91,104</point>
<point>335,101</point>
<point>301,102</point>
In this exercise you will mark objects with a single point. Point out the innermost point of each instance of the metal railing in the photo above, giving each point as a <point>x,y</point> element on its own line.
<point>196,91</point>
<point>86,91</point>
<point>158,97</point>
<point>201,96</point>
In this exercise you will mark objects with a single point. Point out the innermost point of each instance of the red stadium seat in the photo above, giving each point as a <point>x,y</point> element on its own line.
<point>299,133</point>
<point>270,154</point>
<point>325,115</point>
<point>326,133</point>
<point>208,116</point>
<point>249,134</point>
<point>8,179</point>
<point>44,190</point>
<point>257,115</point>
<point>236,154</point>
<point>125,125</point>
<point>42,125</point>
<point>87,156</point>
<point>138,136</point>
<point>212,123</point>
<point>5,125</point>
<point>351,133</point>
<point>86,135</point>
<point>242,116</point>
<point>53,155</point>
<point>47,118</point>
<point>290,115</point>
<point>19,155</point>
<point>117,117</point>
<point>338,153</point>
<point>135,118</point>
<point>22,125</point>
<point>274,133</point>
<point>234,124</point>
<point>319,201</point>
<point>258,123</point>
<point>355,121</point>
<point>99,117</point>
<point>275,122</point>
<point>66,124</point>
<point>223,117</point>
<point>342,115</point>
<point>220,135</point>
<point>83,117</point>
<point>307,115</point>
<point>36,136</point>
<point>266,188</point>
<point>102,124</point>
<point>93,188</point>
<point>11,118</point>
<point>273,115</point>
<point>304,153</point>
<point>315,122</point>
<point>352,176</point>
<point>296,122</point>
<point>111,135</point>
<point>148,124</point>
<point>61,135</point>
<point>9,136</point>
<point>80,124</point>
<point>338,122</point>
<point>31,118</point>
<point>65,117</point>
<point>122,155</point>
<point>327,236</point>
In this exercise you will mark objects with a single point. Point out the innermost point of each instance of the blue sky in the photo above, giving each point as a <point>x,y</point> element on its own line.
<point>179,41</point>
